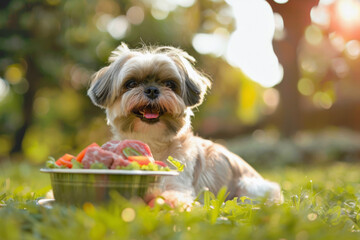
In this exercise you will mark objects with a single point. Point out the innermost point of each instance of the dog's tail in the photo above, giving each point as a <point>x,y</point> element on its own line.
<point>259,188</point>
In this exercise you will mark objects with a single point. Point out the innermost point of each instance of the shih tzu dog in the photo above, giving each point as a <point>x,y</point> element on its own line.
<point>148,95</point>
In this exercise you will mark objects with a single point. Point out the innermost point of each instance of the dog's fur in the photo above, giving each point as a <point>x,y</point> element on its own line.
<point>121,88</point>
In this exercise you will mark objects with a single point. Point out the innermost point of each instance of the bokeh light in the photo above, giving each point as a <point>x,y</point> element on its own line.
<point>41,106</point>
<point>313,35</point>
<point>320,15</point>
<point>322,100</point>
<point>340,67</point>
<point>118,27</point>
<point>135,15</point>
<point>352,49</point>
<point>159,14</point>
<point>281,1</point>
<point>337,41</point>
<point>102,21</point>
<point>271,98</point>
<point>128,214</point>
<point>14,73</point>
<point>306,86</point>
<point>21,87</point>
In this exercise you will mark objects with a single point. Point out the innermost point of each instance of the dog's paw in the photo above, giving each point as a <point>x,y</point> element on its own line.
<point>178,199</point>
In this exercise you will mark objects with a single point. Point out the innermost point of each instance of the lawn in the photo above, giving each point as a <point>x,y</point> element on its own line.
<point>321,202</point>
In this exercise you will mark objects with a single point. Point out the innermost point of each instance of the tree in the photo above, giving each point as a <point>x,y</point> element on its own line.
<point>296,16</point>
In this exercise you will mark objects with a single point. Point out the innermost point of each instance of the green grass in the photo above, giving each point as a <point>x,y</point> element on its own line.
<point>321,202</point>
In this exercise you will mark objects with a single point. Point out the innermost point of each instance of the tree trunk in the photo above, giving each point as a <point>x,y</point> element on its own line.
<point>296,16</point>
<point>27,107</point>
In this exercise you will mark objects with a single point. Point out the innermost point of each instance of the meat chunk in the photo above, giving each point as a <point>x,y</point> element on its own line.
<point>119,162</point>
<point>111,153</point>
<point>111,146</point>
<point>97,154</point>
<point>118,146</point>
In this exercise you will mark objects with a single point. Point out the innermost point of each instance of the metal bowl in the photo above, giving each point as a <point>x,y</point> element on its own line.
<point>78,186</point>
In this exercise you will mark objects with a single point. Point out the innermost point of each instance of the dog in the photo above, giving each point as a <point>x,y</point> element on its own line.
<point>148,95</point>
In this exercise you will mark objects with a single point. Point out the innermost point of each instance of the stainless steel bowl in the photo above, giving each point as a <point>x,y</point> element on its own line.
<point>78,186</point>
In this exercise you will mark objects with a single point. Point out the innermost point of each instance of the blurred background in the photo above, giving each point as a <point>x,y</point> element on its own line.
<point>286,74</point>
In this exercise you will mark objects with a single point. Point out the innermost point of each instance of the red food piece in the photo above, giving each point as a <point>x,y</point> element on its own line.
<point>81,155</point>
<point>97,154</point>
<point>141,160</point>
<point>160,163</point>
<point>118,146</point>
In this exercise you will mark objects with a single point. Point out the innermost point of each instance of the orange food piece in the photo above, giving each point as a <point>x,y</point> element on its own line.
<point>81,155</point>
<point>67,157</point>
<point>65,160</point>
<point>141,160</point>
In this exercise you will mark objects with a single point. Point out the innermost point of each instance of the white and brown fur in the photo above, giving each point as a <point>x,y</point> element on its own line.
<point>208,165</point>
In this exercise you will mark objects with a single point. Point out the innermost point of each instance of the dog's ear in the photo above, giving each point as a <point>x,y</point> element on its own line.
<point>100,88</point>
<point>195,83</point>
<point>103,90</point>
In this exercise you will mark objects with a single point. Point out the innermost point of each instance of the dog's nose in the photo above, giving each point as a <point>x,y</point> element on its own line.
<point>152,92</point>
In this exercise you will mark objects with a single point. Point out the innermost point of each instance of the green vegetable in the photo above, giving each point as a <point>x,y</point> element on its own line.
<point>149,167</point>
<point>76,164</point>
<point>128,151</point>
<point>51,163</point>
<point>98,165</point>
<point>176,163</point>
<point>131,166</point>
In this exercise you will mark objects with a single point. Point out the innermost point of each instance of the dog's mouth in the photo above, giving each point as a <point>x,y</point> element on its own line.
<point>148,114</point>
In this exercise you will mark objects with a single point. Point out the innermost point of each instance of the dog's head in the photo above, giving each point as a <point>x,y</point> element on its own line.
<point>148,88</point>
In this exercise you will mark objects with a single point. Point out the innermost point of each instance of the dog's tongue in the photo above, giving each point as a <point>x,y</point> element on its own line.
<point>149,115</point>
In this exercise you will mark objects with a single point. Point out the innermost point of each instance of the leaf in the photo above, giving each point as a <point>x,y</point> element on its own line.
<point>2,196</point>
<point>207,198</point>
<point>51,163</point>
<point>222,194</point>
<point>76,164</point>
<point>176,163</point>
<point>98,165</point>
<point>128,151</point>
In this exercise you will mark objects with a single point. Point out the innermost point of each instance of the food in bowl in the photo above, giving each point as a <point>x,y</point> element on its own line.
<point>126,167</point>
<point>125,155</point>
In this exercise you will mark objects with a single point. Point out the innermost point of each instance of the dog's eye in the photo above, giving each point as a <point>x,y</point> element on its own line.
<point>170,84</point>
<point>131,84</point>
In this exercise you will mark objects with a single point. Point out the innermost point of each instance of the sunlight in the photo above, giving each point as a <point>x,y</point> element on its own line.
<point>250,45</point>
<point>348,11</point>
<point>214,44</point>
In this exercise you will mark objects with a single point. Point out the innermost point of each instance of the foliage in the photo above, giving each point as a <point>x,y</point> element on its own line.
<point>328,145</point>
<point>320,203</point>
